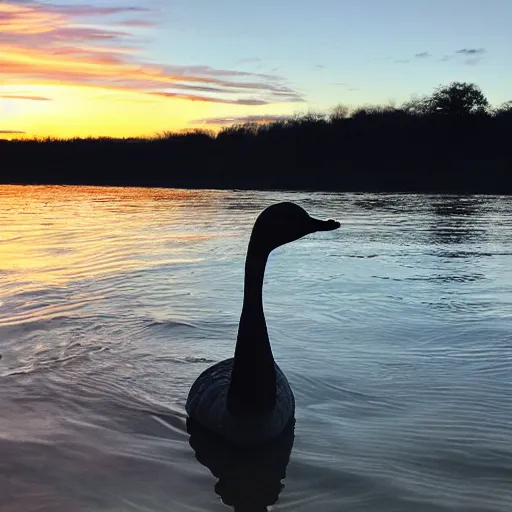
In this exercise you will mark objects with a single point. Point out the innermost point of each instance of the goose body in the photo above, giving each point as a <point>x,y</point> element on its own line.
<point>208,401</point>
<point>247,399</point>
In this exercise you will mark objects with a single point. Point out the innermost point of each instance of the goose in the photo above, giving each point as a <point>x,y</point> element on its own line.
<point>247,399</point>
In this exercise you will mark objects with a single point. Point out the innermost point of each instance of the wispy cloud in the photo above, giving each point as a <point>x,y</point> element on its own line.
<point>46,43</point>
<point>85,10</point>
<point>473,55</point>
<point>416,56</point>
<point>23,97</point>
<point>138,23</point>
<point>11,132</point>
<point>261,119</point>
<point>471,51</point>
<point>191,97</point>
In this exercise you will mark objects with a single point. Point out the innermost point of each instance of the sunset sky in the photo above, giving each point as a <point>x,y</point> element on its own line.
<point>134,68</point>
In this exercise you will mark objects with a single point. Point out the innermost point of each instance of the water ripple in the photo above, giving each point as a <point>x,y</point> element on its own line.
<point>394,332</point>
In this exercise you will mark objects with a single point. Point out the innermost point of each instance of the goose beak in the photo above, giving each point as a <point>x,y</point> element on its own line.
<point>324,225</point>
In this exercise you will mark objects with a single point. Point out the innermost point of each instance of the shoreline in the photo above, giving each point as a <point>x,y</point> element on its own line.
<point>453,191</point>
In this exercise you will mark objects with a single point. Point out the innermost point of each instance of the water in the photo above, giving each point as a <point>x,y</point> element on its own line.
<point>394,331</point>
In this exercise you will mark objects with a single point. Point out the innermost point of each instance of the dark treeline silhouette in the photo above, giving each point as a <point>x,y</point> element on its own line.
<point>451,141</point>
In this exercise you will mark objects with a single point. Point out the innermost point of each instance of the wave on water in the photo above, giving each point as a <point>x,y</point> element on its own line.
<point>394,333</point>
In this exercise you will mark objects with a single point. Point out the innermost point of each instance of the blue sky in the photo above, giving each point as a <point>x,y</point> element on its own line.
<point>340,50</point>
<point>132,67</point>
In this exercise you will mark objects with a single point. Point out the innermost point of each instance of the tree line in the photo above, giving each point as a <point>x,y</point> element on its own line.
<point>450,141</point>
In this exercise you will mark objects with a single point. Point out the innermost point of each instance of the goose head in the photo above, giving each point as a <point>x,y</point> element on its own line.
<point>286,222</point>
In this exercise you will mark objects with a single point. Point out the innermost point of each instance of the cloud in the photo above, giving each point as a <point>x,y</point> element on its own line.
<point>88,34</point>
<point>260,119</point>
<point>11,132</point>
<point>22,97</point>
<point>209,99</point>
<point>138,23</point>
<point>475,55</point>
<point>287,98</point>
<point>471,51</point>
<point>45,43</point>
<point>72,9</point>
<point>209,71</point>
<point>88,10</point>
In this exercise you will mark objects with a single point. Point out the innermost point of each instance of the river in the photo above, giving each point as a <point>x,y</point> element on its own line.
<point>395,332</point>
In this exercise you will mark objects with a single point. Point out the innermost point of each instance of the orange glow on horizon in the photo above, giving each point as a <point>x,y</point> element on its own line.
<point>76,111</point>
<point>63,78</point>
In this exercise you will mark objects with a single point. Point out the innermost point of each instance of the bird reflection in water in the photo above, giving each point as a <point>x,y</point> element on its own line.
<point>249,477</point>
